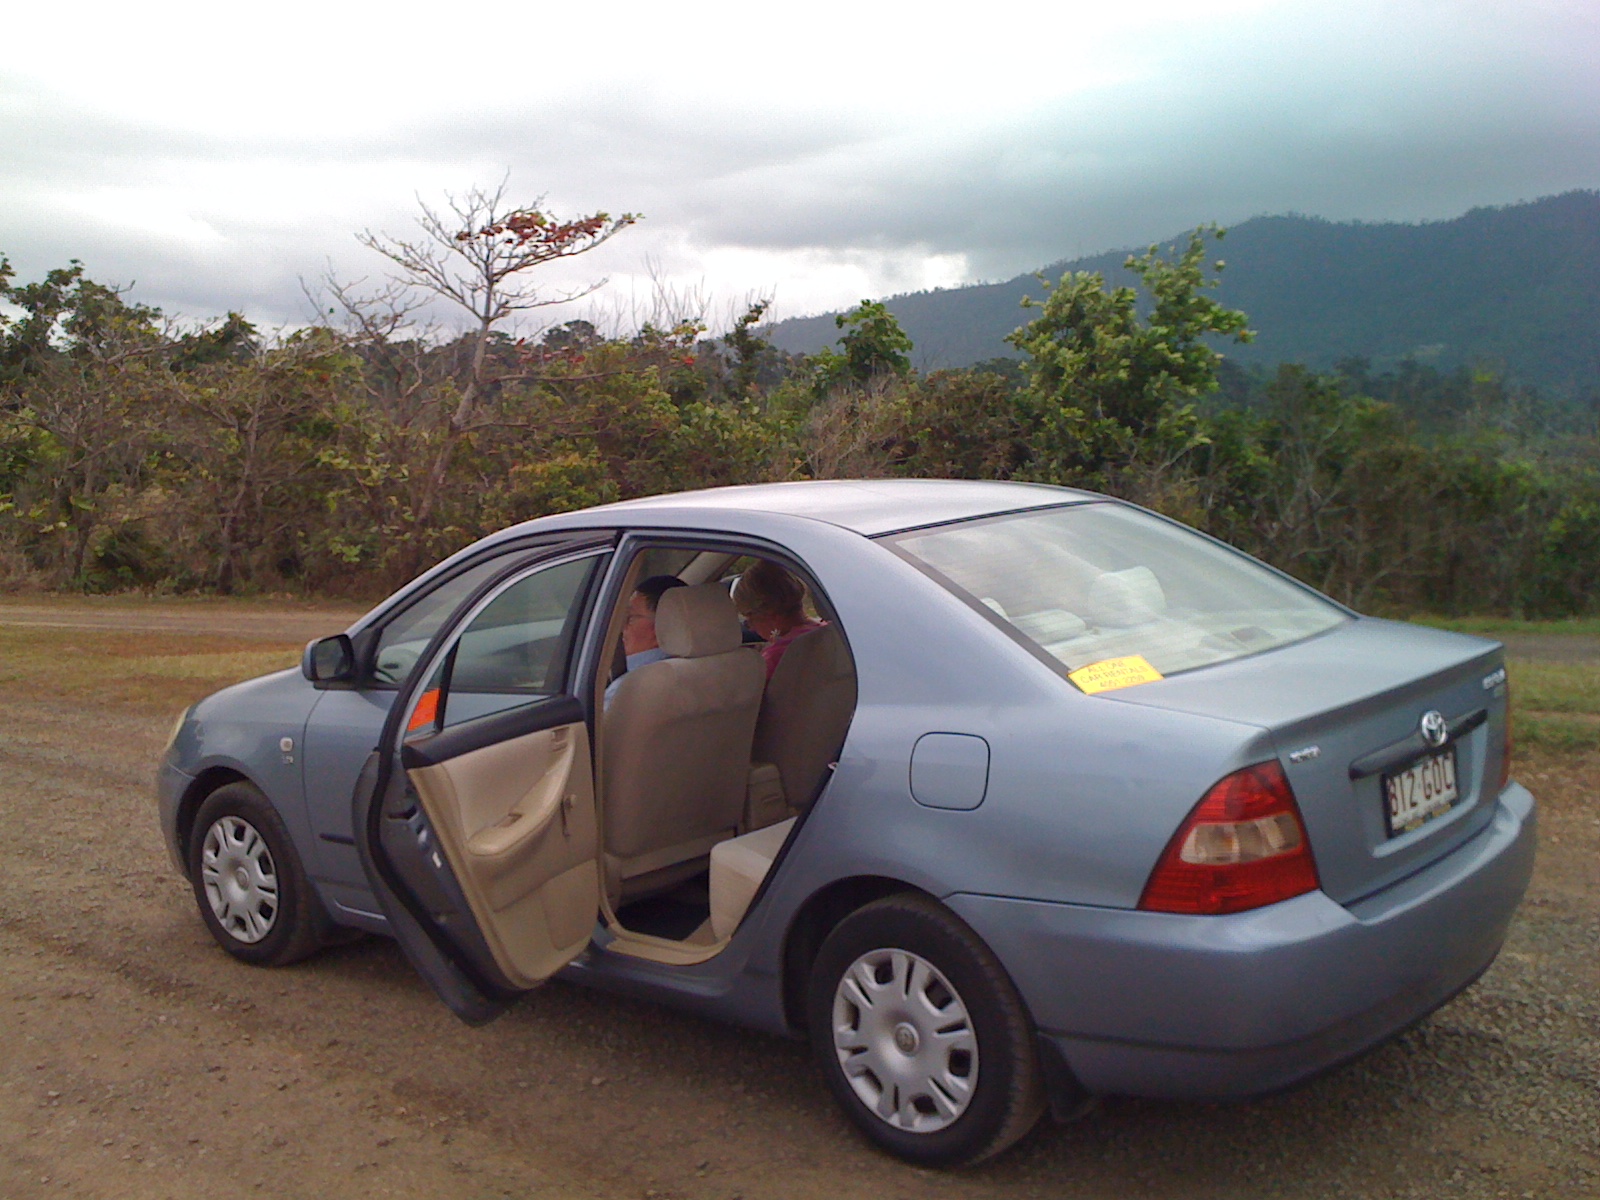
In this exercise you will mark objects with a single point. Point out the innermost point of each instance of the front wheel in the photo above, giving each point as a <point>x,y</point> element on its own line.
<point>921,1035</point>
<point>248,881</point>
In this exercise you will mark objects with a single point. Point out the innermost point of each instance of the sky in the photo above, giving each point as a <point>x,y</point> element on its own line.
<point>224,157</point>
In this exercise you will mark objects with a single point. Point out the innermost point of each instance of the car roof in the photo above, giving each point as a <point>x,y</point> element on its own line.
<point>865,506</point>
<point>869,507</point>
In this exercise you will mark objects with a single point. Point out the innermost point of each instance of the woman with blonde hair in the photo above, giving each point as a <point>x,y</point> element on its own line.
<point>772,602</point>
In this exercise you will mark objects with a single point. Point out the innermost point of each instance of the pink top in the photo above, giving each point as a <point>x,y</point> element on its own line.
<point>772,652</point>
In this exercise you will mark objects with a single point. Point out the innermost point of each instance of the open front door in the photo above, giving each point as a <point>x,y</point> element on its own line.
<point>476,818</point>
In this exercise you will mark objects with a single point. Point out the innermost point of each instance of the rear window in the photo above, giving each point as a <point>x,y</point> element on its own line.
<point>1092,582</point>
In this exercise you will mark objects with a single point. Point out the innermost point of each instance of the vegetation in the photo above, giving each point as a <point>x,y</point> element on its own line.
<point>341,458</point>
<point>1514,289</point>
<point>1555,704</point>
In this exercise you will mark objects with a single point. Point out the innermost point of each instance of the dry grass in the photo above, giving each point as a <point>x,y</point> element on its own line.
<point>146,671</point>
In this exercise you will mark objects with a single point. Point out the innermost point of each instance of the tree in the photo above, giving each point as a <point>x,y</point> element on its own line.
<point>751,351</point>
<point>874,347</point>
<point>241,427</point>
<point>1112,388</point>
<point>66,313</point>
<point>478,255</point>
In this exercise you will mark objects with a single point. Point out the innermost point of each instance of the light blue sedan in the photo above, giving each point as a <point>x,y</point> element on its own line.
<point>1054,799</point>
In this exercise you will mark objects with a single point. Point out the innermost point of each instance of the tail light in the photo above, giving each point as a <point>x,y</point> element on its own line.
<point>1243,846</point>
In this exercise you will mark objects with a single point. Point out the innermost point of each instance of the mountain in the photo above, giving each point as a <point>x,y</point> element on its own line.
<point>1517,288</point>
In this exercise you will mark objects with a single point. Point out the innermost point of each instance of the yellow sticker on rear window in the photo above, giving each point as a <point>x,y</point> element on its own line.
<point>1114,673</point>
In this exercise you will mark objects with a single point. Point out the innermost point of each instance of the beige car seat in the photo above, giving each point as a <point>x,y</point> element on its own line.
<point>806,712</point>
<point>676,745</point>
<point>1121,599</point>
<point>738,867</point>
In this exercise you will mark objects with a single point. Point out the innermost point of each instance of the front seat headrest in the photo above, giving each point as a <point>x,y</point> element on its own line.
<point>697,622</point>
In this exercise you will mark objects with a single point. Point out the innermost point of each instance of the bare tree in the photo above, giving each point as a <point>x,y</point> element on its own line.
<point>478,254</point>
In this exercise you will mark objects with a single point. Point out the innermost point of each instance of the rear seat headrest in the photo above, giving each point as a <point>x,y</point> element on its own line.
<point>821,651</point>
<point>1124,598</point>
<point>696,622</point>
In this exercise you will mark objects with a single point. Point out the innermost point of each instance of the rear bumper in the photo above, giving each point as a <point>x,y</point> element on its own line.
<point>1152,1004</point>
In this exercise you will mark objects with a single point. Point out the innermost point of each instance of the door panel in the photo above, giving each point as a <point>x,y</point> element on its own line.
<point>516,822</point>
<point>477,830</point>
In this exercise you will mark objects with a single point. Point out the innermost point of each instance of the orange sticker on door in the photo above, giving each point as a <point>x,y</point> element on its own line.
<point>1114,673</point>
<point>426,712</point>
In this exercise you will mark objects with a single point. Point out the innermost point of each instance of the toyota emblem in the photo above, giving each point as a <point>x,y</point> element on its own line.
<point>1433,728</point>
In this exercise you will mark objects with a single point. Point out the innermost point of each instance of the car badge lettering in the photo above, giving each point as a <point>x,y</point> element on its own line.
<point>1494,679</point>
<point>1305,754</point>
<point>1435,731</point>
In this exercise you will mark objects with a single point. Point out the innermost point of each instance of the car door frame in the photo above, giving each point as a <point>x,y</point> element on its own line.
<point>631,543</point>
<point>427,909</point>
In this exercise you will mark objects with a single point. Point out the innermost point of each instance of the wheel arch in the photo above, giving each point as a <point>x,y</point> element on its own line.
<point>208,781</point>
<point>812,923</point>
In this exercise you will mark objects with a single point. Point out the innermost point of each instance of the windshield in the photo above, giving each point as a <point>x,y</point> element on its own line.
<point>1095,582</point>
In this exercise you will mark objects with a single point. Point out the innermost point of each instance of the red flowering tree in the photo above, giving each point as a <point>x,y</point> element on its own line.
<point>479,253</point>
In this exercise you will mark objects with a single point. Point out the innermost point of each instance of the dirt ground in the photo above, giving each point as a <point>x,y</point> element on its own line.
<point>138,1060</point>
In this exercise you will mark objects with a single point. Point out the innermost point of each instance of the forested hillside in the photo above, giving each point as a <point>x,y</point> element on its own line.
<point>1515,288</point>
<point>343,458</point>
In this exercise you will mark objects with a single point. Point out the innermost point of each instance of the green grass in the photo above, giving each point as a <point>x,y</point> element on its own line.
<point>1556,705</point>
<point>1557,733</point>
<point>1554,687</point>
<point>1578,626</point>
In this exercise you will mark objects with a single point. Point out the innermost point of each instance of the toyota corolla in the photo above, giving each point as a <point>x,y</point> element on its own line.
<point>1050,797</point>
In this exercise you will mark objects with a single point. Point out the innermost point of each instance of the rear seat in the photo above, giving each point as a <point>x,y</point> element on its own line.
<point>738,866</point>
<point>806,712</point>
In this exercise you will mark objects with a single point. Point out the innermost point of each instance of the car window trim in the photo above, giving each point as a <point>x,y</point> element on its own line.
<point>571,629</point>
<point>448,635</point>
<point>541,712</point>
<point>889,534</point>
<point>634,541</point>
<point>368,636</point>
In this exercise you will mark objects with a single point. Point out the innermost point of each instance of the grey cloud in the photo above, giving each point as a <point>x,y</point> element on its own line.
<point>1118,169</point>
<point>1420,118</point>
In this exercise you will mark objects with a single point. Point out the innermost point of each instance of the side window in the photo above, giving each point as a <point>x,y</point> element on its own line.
<point>406,636</point>
<point>513,650</point>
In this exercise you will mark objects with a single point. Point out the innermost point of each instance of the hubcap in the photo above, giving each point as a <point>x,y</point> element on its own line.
<point>904,1040</point>
<point>240,880</point>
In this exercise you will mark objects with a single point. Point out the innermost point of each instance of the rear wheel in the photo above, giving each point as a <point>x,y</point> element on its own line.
<point>248,881</point>
<point>921,1035</point>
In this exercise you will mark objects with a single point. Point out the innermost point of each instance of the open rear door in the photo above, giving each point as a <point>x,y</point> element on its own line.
<point>475,818</point>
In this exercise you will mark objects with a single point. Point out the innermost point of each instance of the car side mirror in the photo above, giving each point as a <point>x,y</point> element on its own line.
<point>329,660</point>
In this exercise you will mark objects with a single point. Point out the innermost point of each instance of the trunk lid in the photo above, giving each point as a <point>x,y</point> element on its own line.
<point>1345,710</point>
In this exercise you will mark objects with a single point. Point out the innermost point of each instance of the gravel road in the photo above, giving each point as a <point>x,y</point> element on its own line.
<point>137,1060</point>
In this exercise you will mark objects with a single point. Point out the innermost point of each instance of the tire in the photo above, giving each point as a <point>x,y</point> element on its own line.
<point>249,884</point>
<point>921,1035</point>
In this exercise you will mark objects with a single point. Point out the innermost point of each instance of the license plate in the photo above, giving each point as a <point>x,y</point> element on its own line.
<point>1424,790</point>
